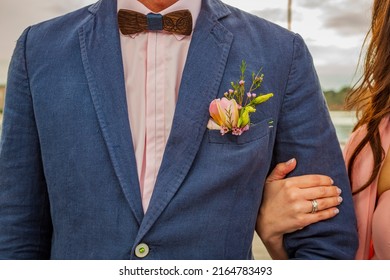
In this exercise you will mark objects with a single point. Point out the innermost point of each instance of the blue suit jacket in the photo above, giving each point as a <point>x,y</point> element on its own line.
<point>69,187</point>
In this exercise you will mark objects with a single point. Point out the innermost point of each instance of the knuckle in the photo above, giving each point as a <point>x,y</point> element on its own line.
<point>332,191</point>
<point>322,191</point>
<point>291,195</point>
<point>317,179</point>
<point>296,208</point>
<point>322,215</point>
<point>331,202</point>
<point>326,214</point>
<point>335,190</point>
<point>322,180</point>
<point>278,170</point>
<point>288,184</point>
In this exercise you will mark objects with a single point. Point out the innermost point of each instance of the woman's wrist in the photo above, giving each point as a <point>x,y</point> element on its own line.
<point>273,241</point>
<point>275,247</point>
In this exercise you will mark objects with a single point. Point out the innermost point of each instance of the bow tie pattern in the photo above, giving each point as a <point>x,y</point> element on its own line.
<point>178,22</point>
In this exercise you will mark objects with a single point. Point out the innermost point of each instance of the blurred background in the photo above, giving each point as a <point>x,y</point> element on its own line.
<point>333,30</point>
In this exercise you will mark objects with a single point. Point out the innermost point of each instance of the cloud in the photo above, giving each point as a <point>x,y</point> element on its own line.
<point>343,17</point>
<point>15,17</point>
<point>348,24</point>
<point>311,4</point>
<point>335,66</point>
<point>271,14</point>
<point>61,7</point>
<point>333,31</point>
<point>346,17</point>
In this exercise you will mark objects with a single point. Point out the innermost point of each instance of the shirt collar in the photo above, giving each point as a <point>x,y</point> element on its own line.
<point>192,5</point>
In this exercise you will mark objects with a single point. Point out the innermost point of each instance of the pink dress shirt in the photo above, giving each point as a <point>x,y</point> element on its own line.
<point>372,219</point>
<point>153,63</point>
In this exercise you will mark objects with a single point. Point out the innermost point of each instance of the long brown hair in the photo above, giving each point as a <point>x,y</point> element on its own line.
<point>371,95</point>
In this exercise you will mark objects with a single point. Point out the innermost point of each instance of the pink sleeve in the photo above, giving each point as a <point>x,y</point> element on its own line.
<point>364,202</point>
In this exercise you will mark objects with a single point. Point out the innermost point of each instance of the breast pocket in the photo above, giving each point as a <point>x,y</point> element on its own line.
<point>256,132</point>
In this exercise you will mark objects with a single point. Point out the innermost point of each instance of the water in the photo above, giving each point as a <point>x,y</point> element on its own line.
<point>344,122</point>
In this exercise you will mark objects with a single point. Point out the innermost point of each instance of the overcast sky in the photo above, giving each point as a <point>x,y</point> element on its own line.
<point>333,30</point>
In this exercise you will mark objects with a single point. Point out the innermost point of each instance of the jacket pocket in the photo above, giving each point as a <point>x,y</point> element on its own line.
<point>255,132</point>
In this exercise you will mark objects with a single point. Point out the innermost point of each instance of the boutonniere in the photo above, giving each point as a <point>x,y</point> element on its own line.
<point>231,113</point>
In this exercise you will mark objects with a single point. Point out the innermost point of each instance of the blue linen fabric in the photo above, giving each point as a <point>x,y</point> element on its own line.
<point>68,179</point>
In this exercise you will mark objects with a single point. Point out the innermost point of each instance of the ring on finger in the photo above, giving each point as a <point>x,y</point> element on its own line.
<point>314,206</point>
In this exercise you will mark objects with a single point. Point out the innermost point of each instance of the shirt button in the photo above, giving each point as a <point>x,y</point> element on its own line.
<point>142,250</point>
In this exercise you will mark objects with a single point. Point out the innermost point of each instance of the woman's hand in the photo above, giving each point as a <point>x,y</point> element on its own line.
<point>289,205</point>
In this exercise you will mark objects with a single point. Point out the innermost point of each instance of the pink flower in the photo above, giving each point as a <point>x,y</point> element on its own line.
<point>229,114</point>
<point>239,130</point>
<point>224,113</point>
<point>224,130</point>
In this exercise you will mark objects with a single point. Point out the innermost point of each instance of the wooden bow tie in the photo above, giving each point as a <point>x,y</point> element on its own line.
<point>131,22</point>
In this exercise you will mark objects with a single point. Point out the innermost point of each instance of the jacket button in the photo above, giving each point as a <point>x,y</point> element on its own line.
<point>142,250</point>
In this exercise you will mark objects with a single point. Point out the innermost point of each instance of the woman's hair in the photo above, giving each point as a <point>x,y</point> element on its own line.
<point>370,96</point>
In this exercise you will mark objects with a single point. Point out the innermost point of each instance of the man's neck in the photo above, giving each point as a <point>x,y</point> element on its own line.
<point>157,5</point>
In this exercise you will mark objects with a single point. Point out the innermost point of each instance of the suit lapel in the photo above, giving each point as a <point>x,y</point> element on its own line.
<point>201,80</point>
<point>102,60</point>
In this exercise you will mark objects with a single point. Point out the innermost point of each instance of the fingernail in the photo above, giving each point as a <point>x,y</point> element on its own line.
<point>338,190</point>
<point>331,181</point>
<point>340,199</point>
<point>336,211</point>
<point>290,161</point>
